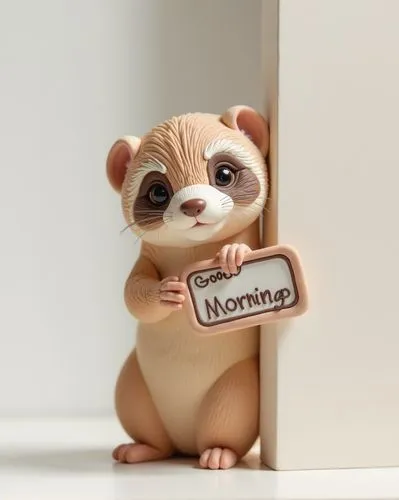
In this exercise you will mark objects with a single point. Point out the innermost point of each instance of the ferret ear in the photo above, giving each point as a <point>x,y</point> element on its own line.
<point>120,155</point>
<point>250,123</point>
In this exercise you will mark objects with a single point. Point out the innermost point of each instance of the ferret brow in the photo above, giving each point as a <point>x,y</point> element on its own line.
<point>152,165</point>
<point>236,150</point>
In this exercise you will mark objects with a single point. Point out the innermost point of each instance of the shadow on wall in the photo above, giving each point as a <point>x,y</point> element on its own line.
<point>208,55</point>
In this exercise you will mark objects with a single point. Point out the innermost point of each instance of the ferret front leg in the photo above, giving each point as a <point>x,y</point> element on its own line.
<point>228,419</point>
<point>151,299</point>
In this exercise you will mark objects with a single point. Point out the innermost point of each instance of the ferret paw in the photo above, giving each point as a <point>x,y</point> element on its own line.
<point>134,453</point>
<point>232,256</point>
<point>172,293</point>
<point>218,458</point>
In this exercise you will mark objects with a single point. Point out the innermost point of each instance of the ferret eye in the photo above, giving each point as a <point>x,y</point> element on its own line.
<point>158,194</point>
<point>224,175</point>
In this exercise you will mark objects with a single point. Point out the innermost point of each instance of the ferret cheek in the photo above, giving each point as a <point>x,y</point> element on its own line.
<point>217,210</point>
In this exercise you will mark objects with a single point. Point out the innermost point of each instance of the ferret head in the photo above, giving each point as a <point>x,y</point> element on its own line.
<point>194,179</point>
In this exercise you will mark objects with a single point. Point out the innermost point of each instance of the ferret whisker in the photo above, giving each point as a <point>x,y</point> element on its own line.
<point>168,217</point>
<point>127,227</point>
<point>146,214</point>
<point>139,236</point>
<point>155,212</point>
<point>145,221</point>
<point>227,201</point>
<point>264,207</point>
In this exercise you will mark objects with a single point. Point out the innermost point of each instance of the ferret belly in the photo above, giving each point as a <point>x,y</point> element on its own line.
<point>179,367</point>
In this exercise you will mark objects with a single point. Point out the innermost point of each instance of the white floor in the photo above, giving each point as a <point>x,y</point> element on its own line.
<point>70,459</point>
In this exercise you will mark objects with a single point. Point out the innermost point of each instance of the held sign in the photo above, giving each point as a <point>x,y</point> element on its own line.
<point>269,286</point>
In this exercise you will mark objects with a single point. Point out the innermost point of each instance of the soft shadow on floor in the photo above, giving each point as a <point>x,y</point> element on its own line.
<point>94,461</point>
<point>60,461</point>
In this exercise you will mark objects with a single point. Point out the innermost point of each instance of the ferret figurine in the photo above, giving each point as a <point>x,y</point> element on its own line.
<point>192,189</point>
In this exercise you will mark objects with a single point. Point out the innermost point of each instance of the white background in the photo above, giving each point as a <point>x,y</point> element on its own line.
<point>74,75</point>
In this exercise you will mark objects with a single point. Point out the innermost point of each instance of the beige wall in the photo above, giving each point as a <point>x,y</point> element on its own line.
<point>331,378</point>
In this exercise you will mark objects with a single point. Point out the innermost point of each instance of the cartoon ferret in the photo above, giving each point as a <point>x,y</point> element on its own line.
<point>193,188</point>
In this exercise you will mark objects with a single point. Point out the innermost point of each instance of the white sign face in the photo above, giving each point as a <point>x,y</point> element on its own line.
<point>268,286</point>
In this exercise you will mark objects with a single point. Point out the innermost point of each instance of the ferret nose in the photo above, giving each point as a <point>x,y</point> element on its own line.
<point>194,207</point>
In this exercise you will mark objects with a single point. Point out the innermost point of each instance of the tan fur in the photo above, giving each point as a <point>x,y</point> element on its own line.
<point>229,413</point>
<point>140,420</point>
<point>179,391</point>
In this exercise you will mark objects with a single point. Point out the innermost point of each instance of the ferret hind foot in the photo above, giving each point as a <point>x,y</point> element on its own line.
<point>218,458</point>
<point>134,453</point>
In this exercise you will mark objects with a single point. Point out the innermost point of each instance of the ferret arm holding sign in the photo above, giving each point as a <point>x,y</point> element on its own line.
<point>193,189</point>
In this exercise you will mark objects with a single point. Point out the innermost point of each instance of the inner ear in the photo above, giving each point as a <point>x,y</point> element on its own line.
<point>250,123</point>
<point>119,157</point>
<point>253,127</point>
